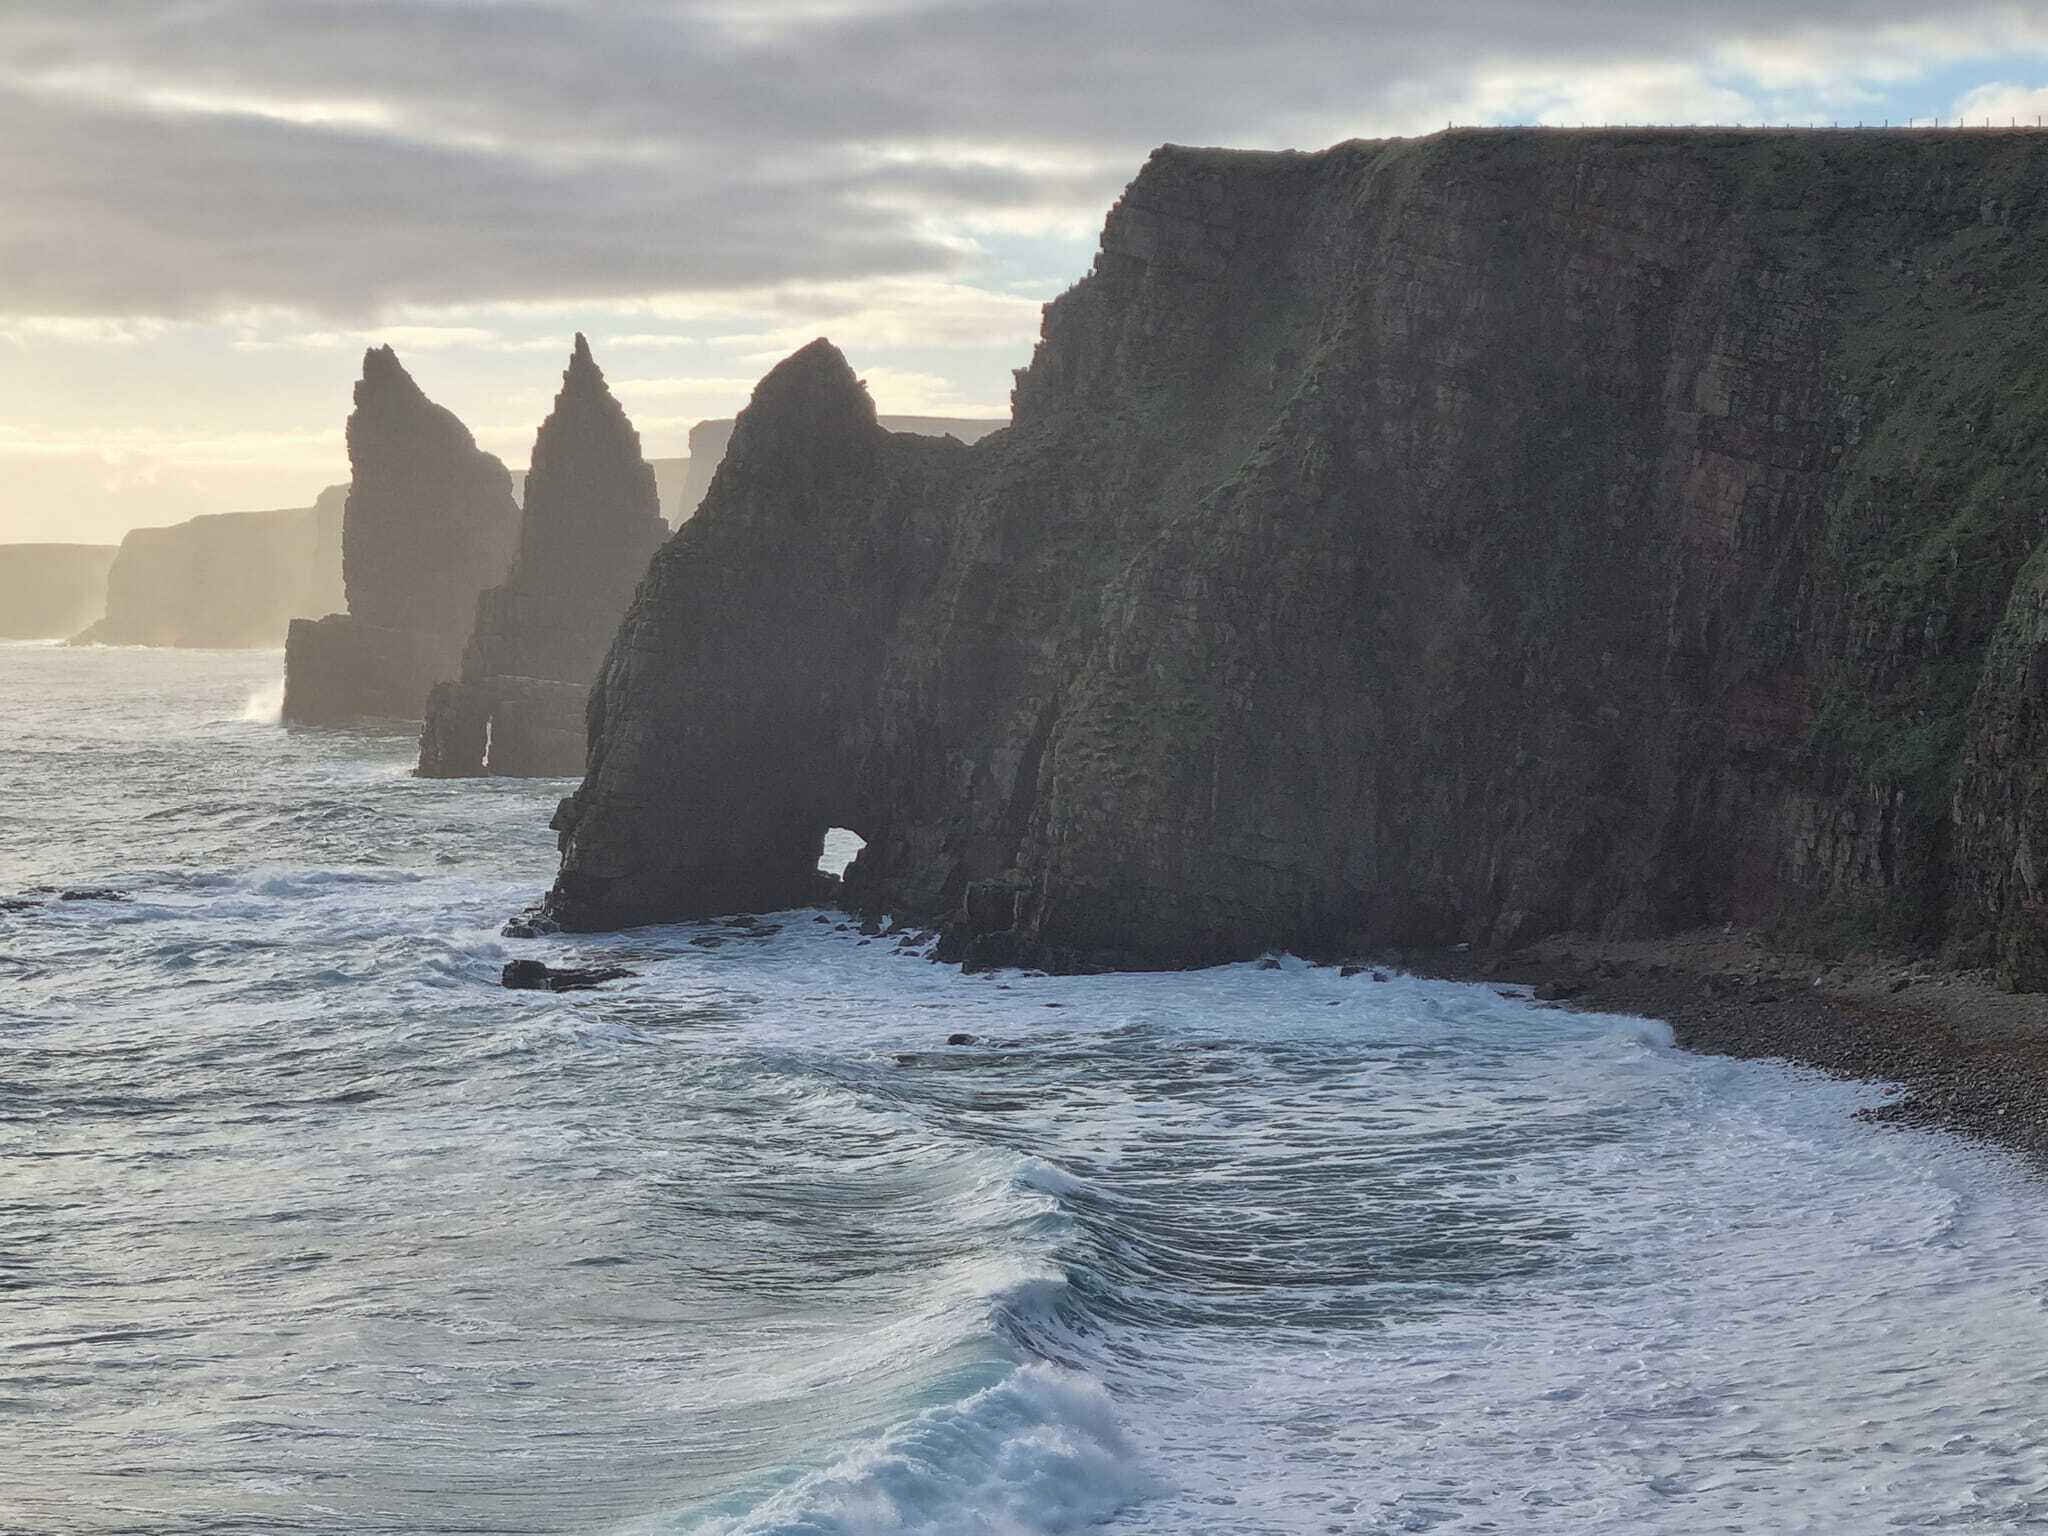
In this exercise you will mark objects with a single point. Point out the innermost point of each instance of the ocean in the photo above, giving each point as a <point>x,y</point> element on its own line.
<point>306,1225</point>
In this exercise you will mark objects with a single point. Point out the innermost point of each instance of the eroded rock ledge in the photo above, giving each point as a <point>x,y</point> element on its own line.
<point>1457,539</point>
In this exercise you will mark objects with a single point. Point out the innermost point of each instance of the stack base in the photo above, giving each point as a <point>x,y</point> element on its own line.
<point>511,727</point>
<point>339,668</point>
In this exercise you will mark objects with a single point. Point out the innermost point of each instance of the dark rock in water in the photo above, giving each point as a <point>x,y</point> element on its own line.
<point>1268,963</point>
<point>429,523</point>
<point>18,903</point>
<point>963,1039</point>
<point>1348,971</point>
<point>534,976</point>
<point>530,924</point>
<point>1429,541</point>
<point>592,519</point>
<point>994,952</point>
<point>92,893</point>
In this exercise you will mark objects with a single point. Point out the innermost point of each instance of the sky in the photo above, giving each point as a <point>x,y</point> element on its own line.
<point>212,206</point>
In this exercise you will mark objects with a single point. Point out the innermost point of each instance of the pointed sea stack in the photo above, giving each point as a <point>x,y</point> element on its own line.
<point>740,689</point>
<point>593,517</point>
<point>430,523</point>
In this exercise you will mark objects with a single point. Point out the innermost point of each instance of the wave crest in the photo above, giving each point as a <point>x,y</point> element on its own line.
<point>1039,1453</point>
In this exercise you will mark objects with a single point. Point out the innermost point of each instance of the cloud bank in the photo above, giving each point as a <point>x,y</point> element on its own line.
<point>188,159</point>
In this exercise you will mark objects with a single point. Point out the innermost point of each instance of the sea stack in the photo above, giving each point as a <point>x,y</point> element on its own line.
<point>1421,542</point>
<point>592,519</point>
<point>429,523</point>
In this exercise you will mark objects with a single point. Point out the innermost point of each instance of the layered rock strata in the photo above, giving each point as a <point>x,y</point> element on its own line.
<point>592,519</point>
<point>429,523</point>
<point>228,579</point>
<point>1425,541</point>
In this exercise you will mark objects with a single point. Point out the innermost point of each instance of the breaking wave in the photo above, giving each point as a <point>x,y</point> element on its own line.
<point>741,1244</point>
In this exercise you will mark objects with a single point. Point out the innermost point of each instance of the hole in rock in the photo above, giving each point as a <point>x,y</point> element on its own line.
<point>842,847</point>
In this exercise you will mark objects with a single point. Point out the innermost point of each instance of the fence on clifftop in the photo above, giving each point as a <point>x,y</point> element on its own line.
<point>1910,125</point>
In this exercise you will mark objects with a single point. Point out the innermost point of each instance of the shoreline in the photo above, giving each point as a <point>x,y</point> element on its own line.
<point>1968,1057</point>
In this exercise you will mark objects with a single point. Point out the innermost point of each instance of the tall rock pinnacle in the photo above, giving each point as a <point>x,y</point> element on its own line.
<point>430,522</point>
<point>592,519</point>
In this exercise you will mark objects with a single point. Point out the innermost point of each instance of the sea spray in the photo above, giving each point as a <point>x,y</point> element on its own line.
<point>265,705</point>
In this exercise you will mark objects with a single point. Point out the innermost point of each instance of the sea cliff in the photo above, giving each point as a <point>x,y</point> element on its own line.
<point>225,579</point>
<point>710,438</point>
<point>1428,541</point>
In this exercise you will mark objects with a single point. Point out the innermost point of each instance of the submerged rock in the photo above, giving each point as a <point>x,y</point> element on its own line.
<point>529,924</point>
<point>592,519</point>
<point>1421,542</point>
<point>534,976</point>
<point>429,523</point>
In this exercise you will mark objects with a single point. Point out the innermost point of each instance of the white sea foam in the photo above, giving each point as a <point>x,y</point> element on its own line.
<point>741,1245</point>
<point>1037,1454</point>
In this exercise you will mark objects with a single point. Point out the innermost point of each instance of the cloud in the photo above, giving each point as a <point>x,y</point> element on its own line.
<point>407,338</point>
<point>83,330</point>
<point>347,159</point>
<point>2003,103</point>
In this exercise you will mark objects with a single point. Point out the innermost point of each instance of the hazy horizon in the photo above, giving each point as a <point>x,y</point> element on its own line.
<point>703,187</point>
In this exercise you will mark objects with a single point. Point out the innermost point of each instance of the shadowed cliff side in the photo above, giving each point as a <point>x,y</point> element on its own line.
<point>592,518</point>
<point>430,522</point>
<point>709,440</point>
<point>1463,538</point>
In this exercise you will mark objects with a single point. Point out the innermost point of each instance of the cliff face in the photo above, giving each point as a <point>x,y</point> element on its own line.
<point>1422,541</point>
<point>233,579</point>
<point>48,590</point>
<point>671,476</point>
<point>592,518</point>
<point>710,439</point>
<point>429,523</point>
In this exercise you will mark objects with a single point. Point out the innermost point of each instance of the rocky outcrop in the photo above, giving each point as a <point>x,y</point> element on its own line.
<point>48,590</point>
<point>229,579</point>
<point>429,523</point>
<point>592,518</point>
<point>709,440</point>
<point>1454,539</point>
